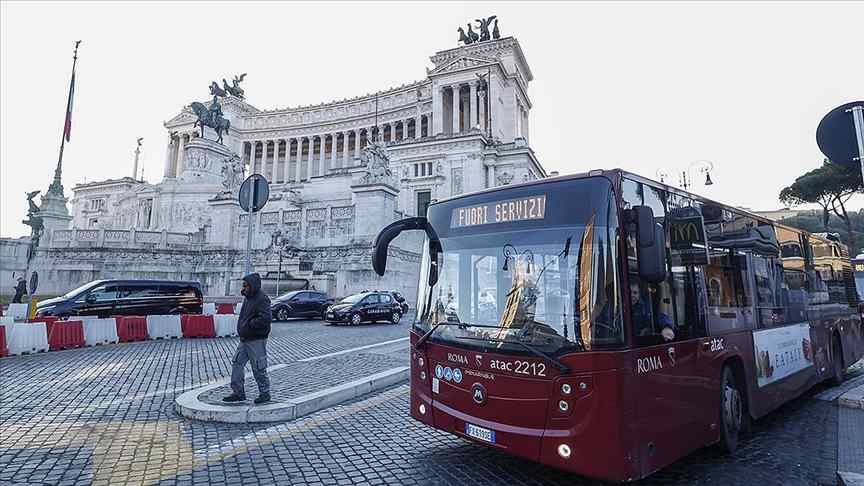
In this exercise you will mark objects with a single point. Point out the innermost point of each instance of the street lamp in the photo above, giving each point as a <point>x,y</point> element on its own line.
<point>685,178</point>
<point>284,248</point>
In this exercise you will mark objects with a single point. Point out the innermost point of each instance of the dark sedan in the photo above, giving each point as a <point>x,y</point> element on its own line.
<point>300,303</point>
<point>365,307</point>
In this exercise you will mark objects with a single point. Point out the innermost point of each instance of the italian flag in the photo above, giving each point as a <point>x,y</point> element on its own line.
<point>67,128</point>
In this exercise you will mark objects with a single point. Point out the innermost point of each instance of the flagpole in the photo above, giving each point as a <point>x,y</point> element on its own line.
<point>56,186</point>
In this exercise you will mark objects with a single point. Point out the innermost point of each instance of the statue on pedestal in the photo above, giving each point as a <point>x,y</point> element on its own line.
<point>211,117</point>
<point>374,157</point>
<point>232,174</point>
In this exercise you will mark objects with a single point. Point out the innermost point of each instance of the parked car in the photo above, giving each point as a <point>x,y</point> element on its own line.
<point>365,307</point>
<point>105,298</point>
<point>300,303</point>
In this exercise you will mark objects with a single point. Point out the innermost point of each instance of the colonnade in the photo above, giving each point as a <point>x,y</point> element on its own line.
<point>301,158</point>
<point>467,107</point>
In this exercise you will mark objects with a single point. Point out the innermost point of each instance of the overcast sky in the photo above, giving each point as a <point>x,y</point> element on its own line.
<point>643,86</point>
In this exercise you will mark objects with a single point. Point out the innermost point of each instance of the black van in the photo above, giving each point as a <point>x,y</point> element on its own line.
<point>105,298</point>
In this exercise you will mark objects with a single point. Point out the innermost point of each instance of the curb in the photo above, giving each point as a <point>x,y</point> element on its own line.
<point>853,398</point>
<point>189,406</point>
<point>850,479</point>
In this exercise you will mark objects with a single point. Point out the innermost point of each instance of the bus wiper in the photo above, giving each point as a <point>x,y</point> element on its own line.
<point>555,362</point>
<point>428,333</point>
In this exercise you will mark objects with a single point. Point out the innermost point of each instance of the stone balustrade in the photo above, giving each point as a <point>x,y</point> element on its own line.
<point>98,238</point>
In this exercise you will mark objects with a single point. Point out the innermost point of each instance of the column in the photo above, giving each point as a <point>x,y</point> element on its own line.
<point>437,110</point>
<point>180,162</point>
<point>455,90</point>
<point>472,105</point>
<point>253,169</point>
<point>309,158</point>
<point>345,162</point>
<point>356,143</point>
<point>418,126</point>
<point>334,137</point>
<point>169,159</point>
<point>297,161</point>
<point>280,165</point>
<point>483,111</point>
<point>321,157</point>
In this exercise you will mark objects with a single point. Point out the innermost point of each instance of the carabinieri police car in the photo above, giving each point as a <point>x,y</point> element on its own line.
<point>365,307</point>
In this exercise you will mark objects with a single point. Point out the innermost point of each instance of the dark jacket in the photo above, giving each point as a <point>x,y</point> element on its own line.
<point>20,291</point>
<point>255,316</point>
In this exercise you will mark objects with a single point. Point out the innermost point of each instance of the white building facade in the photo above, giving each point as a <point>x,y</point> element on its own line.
<point>463,128</point>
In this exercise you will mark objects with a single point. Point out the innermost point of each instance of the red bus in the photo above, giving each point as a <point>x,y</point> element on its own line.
<point>607,324</point>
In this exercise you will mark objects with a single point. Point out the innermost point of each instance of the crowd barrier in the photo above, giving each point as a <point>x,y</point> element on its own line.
<point>6,320</point>
<point>164,327</point>
<point>209,308</point>
<point>18,312</point>
<point>225,325</point>
<point>224,308</point>
<point>26,338</point>
<point>100,331</point>
<point>4,351</point>
<point>131,328</point>
<point>64,334</point>
<point>195,325</point>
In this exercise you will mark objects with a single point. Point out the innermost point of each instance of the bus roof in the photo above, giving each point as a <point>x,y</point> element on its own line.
<point>616,173</point>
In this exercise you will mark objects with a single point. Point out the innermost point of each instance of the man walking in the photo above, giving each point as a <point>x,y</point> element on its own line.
<point>253,327</point>
<point>20,291</point>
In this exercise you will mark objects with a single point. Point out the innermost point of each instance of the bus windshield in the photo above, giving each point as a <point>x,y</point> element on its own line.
<point>552,286</point>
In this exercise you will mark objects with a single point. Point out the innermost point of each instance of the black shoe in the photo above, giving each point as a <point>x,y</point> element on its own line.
<point>262,398</point>
<point>234,398</point>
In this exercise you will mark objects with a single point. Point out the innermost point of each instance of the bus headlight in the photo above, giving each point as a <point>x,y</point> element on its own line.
<point>423,375</point>
<point>420,361</point>
<point>563,450</point>
<point>563,406</point>
<point>422,409</point>
<point>566,389</point>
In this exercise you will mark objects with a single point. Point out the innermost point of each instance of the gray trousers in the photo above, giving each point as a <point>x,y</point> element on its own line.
<point>254,352</point>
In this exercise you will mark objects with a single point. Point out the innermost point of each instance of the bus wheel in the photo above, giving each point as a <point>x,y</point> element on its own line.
<point>731,410</point>
<point>839,370</point>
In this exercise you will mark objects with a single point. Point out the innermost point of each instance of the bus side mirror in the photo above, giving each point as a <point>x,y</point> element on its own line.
<point>651,240</point>
<point>390,232</point>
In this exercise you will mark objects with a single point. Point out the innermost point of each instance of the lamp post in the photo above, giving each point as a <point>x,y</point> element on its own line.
<point>685,177</point>
<point>284,248</point>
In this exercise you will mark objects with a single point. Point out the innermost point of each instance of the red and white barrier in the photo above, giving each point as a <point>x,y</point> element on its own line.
<point>225,308</point>
<point>100,331</point>
<point>198,326</point>
<point>208,309</point>
<point>4,350</point>
<point>18,312</point>
<point>64,334</point>
<point>26,338</point>
<point>131,328</point>
<point>6,320</point>
<point>164,327</point>
<point>225,325</point>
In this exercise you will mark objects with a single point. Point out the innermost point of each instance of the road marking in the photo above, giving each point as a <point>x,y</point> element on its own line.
<point>359,348</point>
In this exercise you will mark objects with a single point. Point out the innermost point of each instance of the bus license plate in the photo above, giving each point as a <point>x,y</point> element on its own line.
<point>481,433</point>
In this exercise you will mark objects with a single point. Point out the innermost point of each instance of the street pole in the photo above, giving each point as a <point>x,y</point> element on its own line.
<point>252,193</point>
<point>858,120</point>
<point>279,273</point>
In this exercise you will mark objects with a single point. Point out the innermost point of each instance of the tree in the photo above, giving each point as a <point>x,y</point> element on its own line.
<point>830,186</point>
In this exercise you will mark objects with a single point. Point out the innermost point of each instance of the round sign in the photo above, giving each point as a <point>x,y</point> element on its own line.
<point>836,135</point>
<point>34,282</point>
<point>254,193</point>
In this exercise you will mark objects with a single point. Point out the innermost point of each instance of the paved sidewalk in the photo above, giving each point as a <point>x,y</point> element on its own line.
<point>302,387</point>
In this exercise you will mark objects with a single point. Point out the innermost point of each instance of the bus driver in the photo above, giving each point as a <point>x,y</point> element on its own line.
<point>642,316</point>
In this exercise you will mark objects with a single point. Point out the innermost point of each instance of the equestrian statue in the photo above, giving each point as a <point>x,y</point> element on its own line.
<point>211,117</point>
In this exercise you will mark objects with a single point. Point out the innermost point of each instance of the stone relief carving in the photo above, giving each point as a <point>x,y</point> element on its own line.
<point>319,214</point>
<point>504,178</point>
<point>292,216</point>
<point>374,157</point>
<point>456,180</point>
<point>342,212</point>
<point>270,218</point>
<point>316,229</point>
<point>232,174</point>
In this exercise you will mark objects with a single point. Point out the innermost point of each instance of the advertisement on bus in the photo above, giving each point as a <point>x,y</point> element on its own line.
<point>781,352</point>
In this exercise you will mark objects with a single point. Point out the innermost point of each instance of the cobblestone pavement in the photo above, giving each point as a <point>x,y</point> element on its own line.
<point>105,416</point>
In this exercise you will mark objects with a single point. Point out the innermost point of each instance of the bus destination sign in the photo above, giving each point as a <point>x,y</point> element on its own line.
<point>511,210</point>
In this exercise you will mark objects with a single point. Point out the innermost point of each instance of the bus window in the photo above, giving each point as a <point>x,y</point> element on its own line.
<point>651,306</point>
<point>688,257</point>
<point>730,296</point>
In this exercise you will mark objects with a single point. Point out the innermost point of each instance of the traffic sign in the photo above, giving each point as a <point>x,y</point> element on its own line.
<point>254,193</point>
<point>837,137</point>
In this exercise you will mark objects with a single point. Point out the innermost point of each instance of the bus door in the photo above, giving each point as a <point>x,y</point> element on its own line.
<point>672,397</point>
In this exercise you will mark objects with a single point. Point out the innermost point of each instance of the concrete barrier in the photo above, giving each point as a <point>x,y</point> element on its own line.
<point>100,331</point>
<point>164,327</point>
<point>18,312</point>
<point>26,338</point>
<point>208,309</point>
<point>225,324</point>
